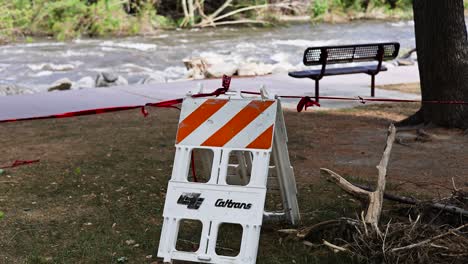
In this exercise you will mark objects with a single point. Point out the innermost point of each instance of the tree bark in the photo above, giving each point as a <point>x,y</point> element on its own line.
<point>442,47</point>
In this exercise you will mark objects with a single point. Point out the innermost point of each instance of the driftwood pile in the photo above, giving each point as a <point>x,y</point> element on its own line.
<point>424,238</point>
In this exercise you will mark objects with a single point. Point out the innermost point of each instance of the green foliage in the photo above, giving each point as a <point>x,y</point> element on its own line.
<point>15,16</point>
<point>64,18</point>
<point>67,19</point>
<point>319,7</point>
<point>2,214</point>
<point>108,17</point>
<point>163,22</point>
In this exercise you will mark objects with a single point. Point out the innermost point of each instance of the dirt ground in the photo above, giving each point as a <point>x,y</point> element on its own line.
<point>97,194</point>
<point>414,88</point>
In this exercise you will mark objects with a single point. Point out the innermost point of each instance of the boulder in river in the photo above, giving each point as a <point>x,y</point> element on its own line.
<point>196,67</point>
<point>153,79</point>
<point>12,89</point>
<point>253,69</point>
<point>106,79</point>
<point>83,83</point>
<point>221,69</point>
<point>61,85</point>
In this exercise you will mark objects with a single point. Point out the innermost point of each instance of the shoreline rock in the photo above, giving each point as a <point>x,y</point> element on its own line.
<point>61,85</point>
<point>107,79</point>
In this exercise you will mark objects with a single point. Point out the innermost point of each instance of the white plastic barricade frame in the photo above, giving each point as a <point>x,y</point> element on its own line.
<point>225,126</point>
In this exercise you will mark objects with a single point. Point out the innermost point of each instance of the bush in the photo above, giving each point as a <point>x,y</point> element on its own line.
<point>319,7</point>
<point>66,19</point>
<point>15,16</point>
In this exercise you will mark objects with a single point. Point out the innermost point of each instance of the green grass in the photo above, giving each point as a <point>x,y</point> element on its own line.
<point>102,182</point>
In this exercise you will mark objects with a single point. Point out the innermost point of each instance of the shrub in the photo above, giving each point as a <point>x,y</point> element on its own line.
<point>319,7</point>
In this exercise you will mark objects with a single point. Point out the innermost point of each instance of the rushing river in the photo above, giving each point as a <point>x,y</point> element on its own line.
<point>34,66</point>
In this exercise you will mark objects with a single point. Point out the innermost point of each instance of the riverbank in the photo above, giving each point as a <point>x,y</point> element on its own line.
<point>29,68</point>
<point>65,20</point>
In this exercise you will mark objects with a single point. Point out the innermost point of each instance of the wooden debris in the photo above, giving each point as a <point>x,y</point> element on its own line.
<point>427,241</point>
<point>374,199</point>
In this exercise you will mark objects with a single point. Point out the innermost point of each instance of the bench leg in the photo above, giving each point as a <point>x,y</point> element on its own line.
<point>317,96</point>
<point>372,85</point>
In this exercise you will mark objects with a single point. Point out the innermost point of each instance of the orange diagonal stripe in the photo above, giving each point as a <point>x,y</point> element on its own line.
<point>198,117</point>
<point>237,123</point>
<point>263,141</point>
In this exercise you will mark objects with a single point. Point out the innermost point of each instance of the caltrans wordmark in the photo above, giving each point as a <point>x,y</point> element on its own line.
<point>230,204</point>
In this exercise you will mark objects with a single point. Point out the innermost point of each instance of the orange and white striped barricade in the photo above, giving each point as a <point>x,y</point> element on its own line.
<point>226,126</point>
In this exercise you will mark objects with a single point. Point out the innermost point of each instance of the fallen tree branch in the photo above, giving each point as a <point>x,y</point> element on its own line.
<point>422,243</point>
<point>335,248</point>
<point>305,233</point>
<point>376,198</point>
<point>212,19</point>
<point>373,198</point>
<point>344,184</point>
<point>9,181</point>
<point>233,22</point>
<point>412,201</point>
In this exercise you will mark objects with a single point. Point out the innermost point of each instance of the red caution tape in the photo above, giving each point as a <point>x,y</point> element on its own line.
<point>226,82</point>
<point>305,102</point>
<point>167,104</point>
<point>73,114</point>
<point>19,163</point>
<point>144,111</point>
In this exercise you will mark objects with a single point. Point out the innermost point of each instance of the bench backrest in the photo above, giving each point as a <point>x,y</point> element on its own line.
<point>351,53</point>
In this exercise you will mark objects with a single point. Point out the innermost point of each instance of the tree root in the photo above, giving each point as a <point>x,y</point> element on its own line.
<point>417,119</point>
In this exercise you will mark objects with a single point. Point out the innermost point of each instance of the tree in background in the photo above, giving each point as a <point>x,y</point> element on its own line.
<point>442,47</point>
<point>195,14</point>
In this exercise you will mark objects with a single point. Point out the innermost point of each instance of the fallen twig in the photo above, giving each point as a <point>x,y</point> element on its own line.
<point>422,243</point>
<point>335,248</point>
<point>412,201</point>
<point>8,181</point>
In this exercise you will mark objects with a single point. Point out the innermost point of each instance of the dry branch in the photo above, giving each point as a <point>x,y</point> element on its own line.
<point>335,248</point>
<point>424,242</point>
<point>213,19</point>
<point>412,201</point>
<point>374,198</point>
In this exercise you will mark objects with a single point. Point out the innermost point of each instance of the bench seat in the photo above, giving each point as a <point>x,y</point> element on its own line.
<point>343,54</point>
<point>313,74</point>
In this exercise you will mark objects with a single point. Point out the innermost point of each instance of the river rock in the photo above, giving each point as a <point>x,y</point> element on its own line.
<point>106,79</point>
<point>61,85</point>
<point>84,83</point>
<point>196,68</point>
<point>11,89</point>
<point>253,69</point>
<point>219,70</point>
<point>152,79</point>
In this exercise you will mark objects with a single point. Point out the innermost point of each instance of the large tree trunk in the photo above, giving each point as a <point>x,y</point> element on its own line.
<point>442,46</point>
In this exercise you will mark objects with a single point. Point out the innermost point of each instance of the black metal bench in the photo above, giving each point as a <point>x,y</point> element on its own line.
<point>347,54</point>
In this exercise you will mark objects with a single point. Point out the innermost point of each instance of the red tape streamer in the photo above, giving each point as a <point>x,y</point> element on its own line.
<point>304,103</point>
<point>19,163</point>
